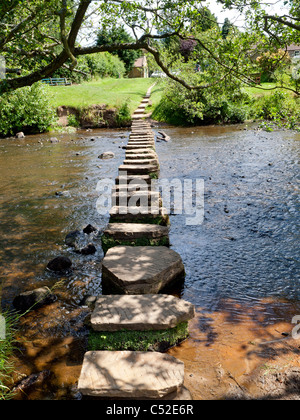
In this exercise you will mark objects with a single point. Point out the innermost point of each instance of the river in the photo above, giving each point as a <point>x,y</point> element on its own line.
<point>242,262</point>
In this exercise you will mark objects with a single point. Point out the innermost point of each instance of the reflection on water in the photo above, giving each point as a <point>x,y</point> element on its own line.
<point>246,250</point>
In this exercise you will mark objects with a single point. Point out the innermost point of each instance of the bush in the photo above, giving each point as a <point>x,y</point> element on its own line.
<point>105,65</point>
<point>224,104</point>
<point>26,109</point>
<point>280,107</point>
<point>123,116</point>
<point>93,65</point>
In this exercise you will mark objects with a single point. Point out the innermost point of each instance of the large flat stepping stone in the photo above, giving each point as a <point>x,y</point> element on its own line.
<point>141,269</point>
<point>127,374</point>
<point>140,312</point>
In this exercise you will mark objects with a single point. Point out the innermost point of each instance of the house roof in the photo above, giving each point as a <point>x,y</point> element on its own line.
<point>140,62</point>
<point>293,47</point>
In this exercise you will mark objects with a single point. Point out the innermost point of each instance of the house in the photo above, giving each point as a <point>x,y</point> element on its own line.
<point>294,50</point>
<point>140,68</point>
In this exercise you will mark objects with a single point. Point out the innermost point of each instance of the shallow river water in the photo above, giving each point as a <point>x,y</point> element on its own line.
<point>241,263</point>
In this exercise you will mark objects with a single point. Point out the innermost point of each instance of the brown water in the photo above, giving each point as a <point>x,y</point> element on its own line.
<point>242,263</point>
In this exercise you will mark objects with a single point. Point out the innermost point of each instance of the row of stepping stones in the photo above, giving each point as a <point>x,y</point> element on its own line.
<point>137,267</point>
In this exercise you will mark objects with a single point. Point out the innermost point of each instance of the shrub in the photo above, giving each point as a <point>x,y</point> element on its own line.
<point>123,116</point>
<point>223,104</point>
<point>27,109</point>
<point>279,107</point>
<point>93,65</point>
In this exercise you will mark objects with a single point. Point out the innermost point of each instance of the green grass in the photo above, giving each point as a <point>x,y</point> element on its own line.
<point>138,340</point>
<point>113,92</point>
<point>156,95</point>
<point>109,242</point>
<point>255,92</point>
<point>6,350</point>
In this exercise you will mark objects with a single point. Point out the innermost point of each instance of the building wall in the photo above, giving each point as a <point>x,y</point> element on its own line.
<point>138,72</point>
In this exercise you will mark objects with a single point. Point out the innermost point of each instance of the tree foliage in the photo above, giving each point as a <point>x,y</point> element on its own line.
<point>119,35</point>
<point>41,36</point>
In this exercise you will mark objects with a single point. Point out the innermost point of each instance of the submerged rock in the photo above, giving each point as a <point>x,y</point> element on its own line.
<point>107,155</point>
<point>63,193</point>
<point>59,264</point>
<point>89,229</point>
<point>34,299</point>
<point>88,250</point>
<point>72,238</point>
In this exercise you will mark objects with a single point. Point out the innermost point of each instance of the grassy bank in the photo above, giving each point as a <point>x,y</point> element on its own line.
<point>6,350</point>
<point>113,92</point>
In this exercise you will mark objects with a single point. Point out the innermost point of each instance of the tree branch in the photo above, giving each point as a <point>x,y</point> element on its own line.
<point>283,22</point>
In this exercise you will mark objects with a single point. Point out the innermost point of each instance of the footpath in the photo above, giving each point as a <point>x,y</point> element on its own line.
<point>137,270</point>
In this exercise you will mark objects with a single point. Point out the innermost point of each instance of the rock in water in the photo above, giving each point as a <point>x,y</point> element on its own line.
<point>88,250</point>
<point>34,299</point>
<point>107,155</point>
<point>59,264</point>
<point>72,238</point>
<point>20,135</point>
<point>89,229</point>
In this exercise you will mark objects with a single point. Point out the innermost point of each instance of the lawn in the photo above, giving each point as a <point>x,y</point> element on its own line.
<point>255,92</point>
<point>104,91</point>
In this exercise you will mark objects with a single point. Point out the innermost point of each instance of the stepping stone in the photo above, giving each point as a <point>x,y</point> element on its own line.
<point>144,161</point>
<point>139,169</point>
<point>127,374</point>
<point>131,188</point>
<point>141,151</point>
<point>138,116</point>
<point>135,140</point>
<point>141,134</point>
<point>141,269</point>
<point>141,143</point>
<point>131,198</point>
<point>139,214</point>
<point>141,154</point>
<point>131,231</point>
<point>134,234</point>
<point>138,180</point>
<point>140,312</point>
<point>141,125</point>
<point>142,138</point>
<point>138,112</point>
<point>133,146</point>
